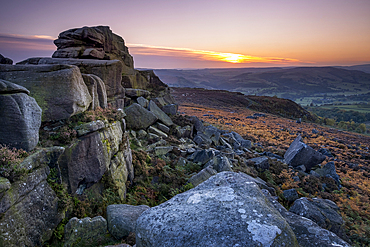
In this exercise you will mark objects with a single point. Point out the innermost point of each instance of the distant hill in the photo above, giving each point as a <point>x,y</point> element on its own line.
<point>301,84</point>
<point>363,67</point>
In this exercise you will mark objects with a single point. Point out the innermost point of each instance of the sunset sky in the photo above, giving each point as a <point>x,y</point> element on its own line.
<point>200,33</point>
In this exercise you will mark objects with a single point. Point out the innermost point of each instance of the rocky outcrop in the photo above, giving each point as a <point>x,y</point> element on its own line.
<point>299,154</point>
<point>93,42</point>
<point>20,117</point>
<point>122,218</point>
<point>323,212</point>
<point>226,210</point>
<point>58,89</point>
<point>5,60</point>
<point>109,71</point>
<point>30,208</point>
<point>85,232</point>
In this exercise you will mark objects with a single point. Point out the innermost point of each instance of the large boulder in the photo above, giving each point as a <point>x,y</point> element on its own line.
<point>20,117</point>
<point>322,211</point>
<point>308,233</point>
<point>300,153</point>
<point>92,42</point>
<point>58,89</point>
<point>138,117</point>
<point>122,218</point>
<point>110,71</point>
<point>228,209</point>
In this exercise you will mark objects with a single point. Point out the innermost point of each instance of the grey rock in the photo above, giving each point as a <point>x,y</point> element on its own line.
<point>122,218</point>
<point>203,156</point>
<point>184,132</point>
<point>153,130</point>
<point>4,184</point>
<point>138,117</point>
<point>93,53</point>
<point>153,137</point>
<point>290,195</point>
<point>59,90</point>
<point>193,218</point>
<point>97,90</point>
<point>160,114</point>
<point>20,120</point>
<point>212,133</point>
<point>198,124</point>
<point>163,128</point>
<point>142,101</point>
<point>141,133</point>
<point>308,233</point>
<point>260,162</point>
<point>109,71</point>
<point>7,87</point>
<point>159,151</point>
<point>202,176</point>
<point>299,153</point>
<point>85,232</point>
<point>29,211</point>
<point>5,60</point>
<point>220,163</point>
<point>326,152</point>
<point>44,156</point>
<point>202,140</point>
<point>170,109</point>
<point>323,212</point>
<point>90,127</point>
<point>134,93</point>
<point>328,170</point>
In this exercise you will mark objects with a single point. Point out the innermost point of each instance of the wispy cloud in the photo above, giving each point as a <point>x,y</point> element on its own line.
<point>148,50</point>
<point>29,42</point>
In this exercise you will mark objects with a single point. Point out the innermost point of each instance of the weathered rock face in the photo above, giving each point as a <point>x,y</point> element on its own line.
<point>58,89</point>
<point>109,71</point>
<point>138,117</point>
<point>226,210</point>
<point>299,154</point>
<point>20,117</point>
<point>29,207</point>
<point>308,233</point>
<point>122,218</point>
<point>85,162</point>
<point>92,42</point>
<point>5,60</point>
<point>322,211</point>
<point>85,232</point>
<point>97,90</point>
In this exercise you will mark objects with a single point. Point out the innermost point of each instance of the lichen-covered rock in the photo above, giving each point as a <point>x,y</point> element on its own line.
<point>228,209</point>
<point>90,127</point>
<point>323,212</point>
<point>58,89</point>
<point>202,176</point>
<point>29,210</point>
<point>170,109</point>
<point>109,71</point>
<point>85,232</point>
<point>122,218</point>
<point>20,117</point>
<point>138,117</point>
<point>299,154</point>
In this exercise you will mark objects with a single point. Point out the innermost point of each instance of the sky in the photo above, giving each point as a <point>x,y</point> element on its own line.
<point>199,33</point>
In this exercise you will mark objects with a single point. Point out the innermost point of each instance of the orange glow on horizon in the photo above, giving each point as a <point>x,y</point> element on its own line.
<point>233,58</point>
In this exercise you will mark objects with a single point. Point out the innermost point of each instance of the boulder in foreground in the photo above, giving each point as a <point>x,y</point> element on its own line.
<point>226,210</point>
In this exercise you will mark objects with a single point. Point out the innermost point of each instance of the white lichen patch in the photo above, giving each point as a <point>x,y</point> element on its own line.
<point>242,211</point>
<point>223,194</point>
<point>262,233</point>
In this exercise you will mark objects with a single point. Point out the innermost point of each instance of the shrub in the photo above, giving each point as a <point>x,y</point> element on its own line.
<point>10,159</point>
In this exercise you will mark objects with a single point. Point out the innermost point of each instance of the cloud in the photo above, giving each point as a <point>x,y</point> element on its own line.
<point>185,53</point>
